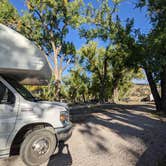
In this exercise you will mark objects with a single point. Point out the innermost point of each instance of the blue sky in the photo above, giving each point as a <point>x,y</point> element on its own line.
<point>126,10</point>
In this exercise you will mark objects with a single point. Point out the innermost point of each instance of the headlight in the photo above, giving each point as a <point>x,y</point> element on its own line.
<point>64,116</point>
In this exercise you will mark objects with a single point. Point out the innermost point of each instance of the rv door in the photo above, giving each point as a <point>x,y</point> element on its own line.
<point>8,112</point>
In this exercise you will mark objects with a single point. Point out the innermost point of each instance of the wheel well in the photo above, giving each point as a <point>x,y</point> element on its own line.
<point>16,144</point>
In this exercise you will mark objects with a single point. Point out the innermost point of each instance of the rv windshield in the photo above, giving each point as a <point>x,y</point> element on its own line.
<point>21,90</point>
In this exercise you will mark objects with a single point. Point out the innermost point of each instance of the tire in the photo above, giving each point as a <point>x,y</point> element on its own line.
<point>38,146</point>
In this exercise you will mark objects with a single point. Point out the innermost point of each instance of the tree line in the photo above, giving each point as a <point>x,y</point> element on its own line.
<point>97,73</point>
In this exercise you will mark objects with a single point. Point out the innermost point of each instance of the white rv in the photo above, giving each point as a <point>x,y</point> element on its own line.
<point>28,126</point>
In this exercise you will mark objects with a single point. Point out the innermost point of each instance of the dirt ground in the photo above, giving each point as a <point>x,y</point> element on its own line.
<point>113,135</point>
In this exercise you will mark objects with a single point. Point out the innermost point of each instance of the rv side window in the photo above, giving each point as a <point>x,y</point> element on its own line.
<point>6,96</point>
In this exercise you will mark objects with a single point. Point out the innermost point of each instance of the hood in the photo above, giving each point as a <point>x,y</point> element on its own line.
<point>43,111</point>
<point>65,105</point>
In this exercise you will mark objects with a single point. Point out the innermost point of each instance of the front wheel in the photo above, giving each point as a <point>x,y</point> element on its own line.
<point>37,147</point>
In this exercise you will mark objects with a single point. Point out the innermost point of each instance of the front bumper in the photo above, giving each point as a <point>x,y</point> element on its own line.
<point>64,133</point>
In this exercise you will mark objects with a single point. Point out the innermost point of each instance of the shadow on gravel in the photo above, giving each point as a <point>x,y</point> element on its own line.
<point>130,121</point>
<point>61,158</point>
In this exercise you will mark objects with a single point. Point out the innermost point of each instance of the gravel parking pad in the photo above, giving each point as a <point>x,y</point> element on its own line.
<point>125,135</point>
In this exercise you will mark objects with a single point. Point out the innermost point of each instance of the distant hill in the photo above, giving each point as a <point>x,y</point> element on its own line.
<point>139,91</point>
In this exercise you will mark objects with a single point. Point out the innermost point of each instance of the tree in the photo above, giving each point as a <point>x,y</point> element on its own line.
<point>124,47</point>
<point>8,14</point>
<point>120,44</point>
<point>153,50</point>
<point>102,27</point>
<point>96,61</point>
<point>77,85</point>
<point>47,23</point>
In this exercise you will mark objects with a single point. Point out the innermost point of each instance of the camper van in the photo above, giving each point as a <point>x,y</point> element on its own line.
<point>28,126</point>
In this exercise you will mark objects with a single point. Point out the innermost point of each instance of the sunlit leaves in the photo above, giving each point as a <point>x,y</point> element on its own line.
<point>8,14</point>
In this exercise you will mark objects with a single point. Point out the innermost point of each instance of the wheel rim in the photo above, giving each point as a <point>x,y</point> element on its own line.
<point>40,147</point>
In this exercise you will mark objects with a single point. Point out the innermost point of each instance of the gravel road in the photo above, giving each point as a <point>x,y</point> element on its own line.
<point>118,135</point>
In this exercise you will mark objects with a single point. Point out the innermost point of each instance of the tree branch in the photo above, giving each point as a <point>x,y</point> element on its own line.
<point>52,58</point>
<point>67,64</point>
<point>61,62</point>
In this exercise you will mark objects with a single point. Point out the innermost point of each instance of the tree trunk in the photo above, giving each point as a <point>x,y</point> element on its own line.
<point>117,75</point>
<point>83,96</point>
<point>115,95</point>
<point>57,71</point>
<point>103,79</point>
<point>154,90</point>
<point>57,89</point>
<point>163,89</point>
<point>102,93</point>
